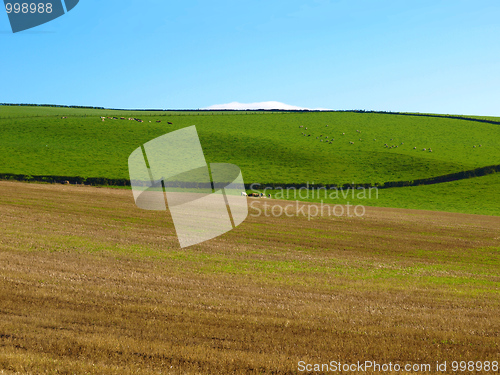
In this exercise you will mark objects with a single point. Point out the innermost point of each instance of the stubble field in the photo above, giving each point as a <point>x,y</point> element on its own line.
<point>91,284</point>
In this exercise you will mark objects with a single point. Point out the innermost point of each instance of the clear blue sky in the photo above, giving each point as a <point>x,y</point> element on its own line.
<point>417,55</point>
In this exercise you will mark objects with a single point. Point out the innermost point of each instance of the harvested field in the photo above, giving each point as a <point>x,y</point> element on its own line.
<point>91,284</point>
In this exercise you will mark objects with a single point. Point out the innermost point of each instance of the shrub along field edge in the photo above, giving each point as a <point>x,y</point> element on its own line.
<point>102,181</point>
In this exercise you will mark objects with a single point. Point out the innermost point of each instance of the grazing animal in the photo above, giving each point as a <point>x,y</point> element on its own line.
<point>158,120</point>
<point>65,182</point>
<point>480,145</point>
<point>243,194</point>
<point>306,128</point>
<point>414,148</point>
<point>169,123</point>
<point>473,146</point>
<point>343,133</point>
<point>424,149</point>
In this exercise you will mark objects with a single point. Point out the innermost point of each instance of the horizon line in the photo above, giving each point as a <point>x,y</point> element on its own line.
<point>238,110</point>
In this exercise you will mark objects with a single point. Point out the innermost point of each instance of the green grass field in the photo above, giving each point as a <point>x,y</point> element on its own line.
<point>269,148</point>
<point>480,195</point>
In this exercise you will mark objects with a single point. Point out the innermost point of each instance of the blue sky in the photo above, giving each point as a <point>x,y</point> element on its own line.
<point>424,56</point>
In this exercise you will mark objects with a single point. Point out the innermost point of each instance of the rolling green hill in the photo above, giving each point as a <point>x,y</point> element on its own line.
<point>269,147</point>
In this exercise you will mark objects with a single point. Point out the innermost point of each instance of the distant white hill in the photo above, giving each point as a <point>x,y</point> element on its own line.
<point>261,105</point>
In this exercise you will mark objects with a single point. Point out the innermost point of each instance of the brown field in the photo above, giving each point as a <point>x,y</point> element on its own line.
<point>91,284</point>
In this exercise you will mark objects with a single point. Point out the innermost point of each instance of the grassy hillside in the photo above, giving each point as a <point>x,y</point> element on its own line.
<point>480,195</point>
<point>269,147</point>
